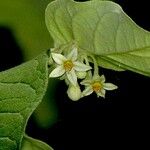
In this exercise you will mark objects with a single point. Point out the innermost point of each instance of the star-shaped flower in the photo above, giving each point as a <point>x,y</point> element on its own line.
<point>97,84</point>
<point>68,65</point>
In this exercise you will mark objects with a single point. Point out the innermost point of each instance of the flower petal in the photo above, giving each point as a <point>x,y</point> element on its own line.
<point>85,82</point>
<point>109,86</point>
<point>72,77</point>
<point>99,78</point>
<point>58,58</point>
<point>101,93</point>
<point>102,78</point>
<point>73,54</point>
<point>78,66</point>
<point>57,72</point>
<point>87,91</point>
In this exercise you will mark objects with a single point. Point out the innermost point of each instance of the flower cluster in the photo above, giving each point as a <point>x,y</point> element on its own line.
<point>71,66</point>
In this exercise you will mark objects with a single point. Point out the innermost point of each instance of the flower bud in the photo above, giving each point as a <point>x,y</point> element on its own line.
<point>50,61</point>
<point>81,74</point>
<point>74,92</point>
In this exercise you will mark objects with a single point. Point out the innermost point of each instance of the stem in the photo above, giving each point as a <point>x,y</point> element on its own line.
<point>96,70</point>
<point>89,73</point>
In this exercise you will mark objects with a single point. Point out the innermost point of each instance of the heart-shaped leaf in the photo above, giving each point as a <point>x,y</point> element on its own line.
<point>103,29</point>
<point>21,90</point>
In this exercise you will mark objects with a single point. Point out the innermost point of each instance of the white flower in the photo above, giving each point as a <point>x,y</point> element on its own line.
<point>97,84</point>
<point>68,65</point>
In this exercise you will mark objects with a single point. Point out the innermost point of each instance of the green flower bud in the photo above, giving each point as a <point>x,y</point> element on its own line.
<point>81,74</point>
<point>50,61</point>
<point>74,92</point>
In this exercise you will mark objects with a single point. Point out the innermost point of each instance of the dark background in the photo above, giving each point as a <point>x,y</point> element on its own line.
<point>118,121</point>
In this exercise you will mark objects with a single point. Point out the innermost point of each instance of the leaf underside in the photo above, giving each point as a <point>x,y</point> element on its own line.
<point>29,143</point>
<point>103,29</point>
<point>21,90</point>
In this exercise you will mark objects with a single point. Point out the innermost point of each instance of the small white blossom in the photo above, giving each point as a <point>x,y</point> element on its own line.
<point>68,65</point>
<point>97,84</point>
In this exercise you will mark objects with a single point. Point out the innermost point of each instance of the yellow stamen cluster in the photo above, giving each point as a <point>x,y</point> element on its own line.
<point>68,65</point>
<point>96,86</point>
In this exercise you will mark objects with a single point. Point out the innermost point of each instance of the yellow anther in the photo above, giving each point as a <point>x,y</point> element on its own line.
<point>96,86</point>
<point>68,65</point>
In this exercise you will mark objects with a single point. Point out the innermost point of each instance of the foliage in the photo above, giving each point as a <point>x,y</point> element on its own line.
<point>21,90</point>
<point>103,29</point>
<point>99,29</point>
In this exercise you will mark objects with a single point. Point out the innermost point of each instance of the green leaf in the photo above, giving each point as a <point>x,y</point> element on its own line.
<point>21,90</point>
<point>103,29</point>
<point>26,20</point>
<point>29,143</point>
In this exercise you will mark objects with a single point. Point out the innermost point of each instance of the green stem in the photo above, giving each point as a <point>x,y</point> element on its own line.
<point>96,70</point>
<point>89,73</point>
